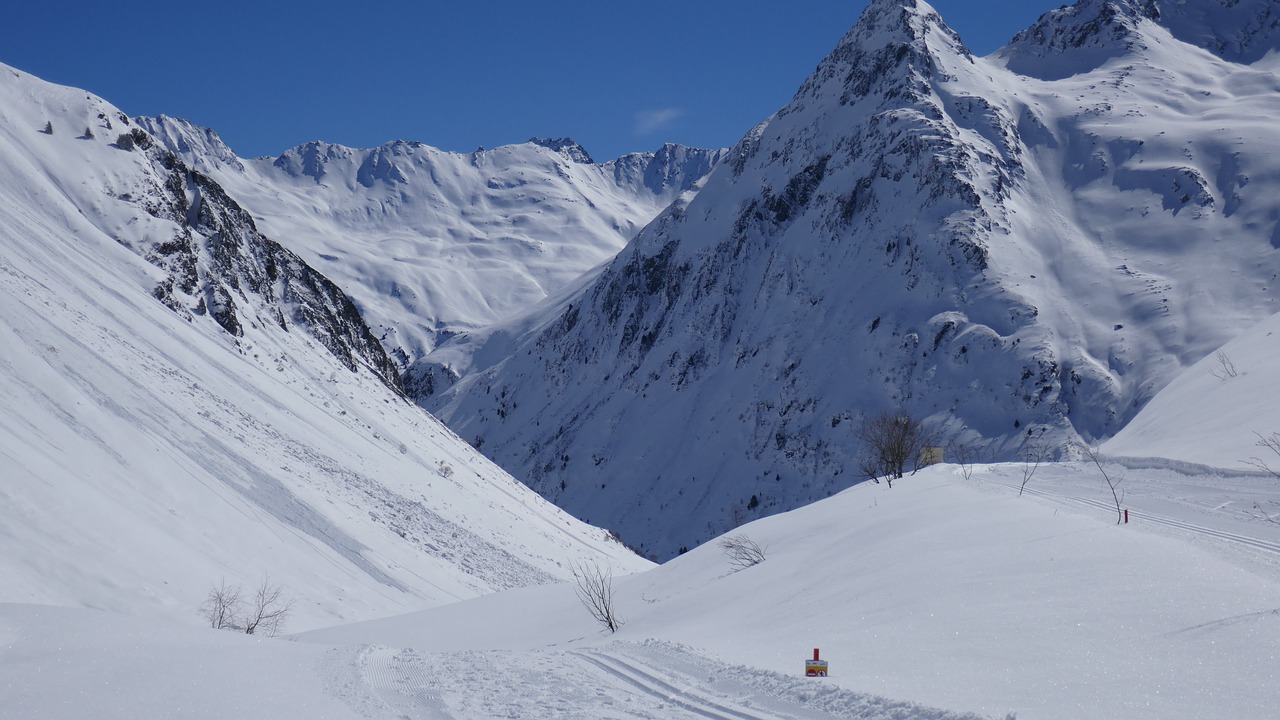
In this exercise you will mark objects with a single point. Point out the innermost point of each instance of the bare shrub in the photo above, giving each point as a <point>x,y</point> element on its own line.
<point>594,588</point>
<point>1226,368</point>
<point>1270,442</point>
<point>268,610</point>
<point>1266,515</point>
<point>964,455</point>
<point>742,551</point>
<point>1033,453</point>
<point>222,606</point>
<point>1113,482</point>
<point>892,440</point>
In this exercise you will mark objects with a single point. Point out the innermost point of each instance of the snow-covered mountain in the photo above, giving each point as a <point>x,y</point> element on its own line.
<point>1020,247</point>
<point>431,243</point>
<point>183,400</point>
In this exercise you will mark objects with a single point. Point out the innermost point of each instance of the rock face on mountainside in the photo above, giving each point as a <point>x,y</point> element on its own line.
<point>431,243</point>
<point>1020,249</point>
<point>218,257</point>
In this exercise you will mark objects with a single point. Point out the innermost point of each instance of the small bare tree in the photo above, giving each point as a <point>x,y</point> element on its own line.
<point>594,588</point>
<point>222,606</point>
<point>1226,368</point>
<point>1267,516</point>
<point>268,610</point>
<point>893,441</point>
<point>743,552</point>
<point>1112,482</point>
<point>1033,453</point>
<point>1270,442</point>
<point>964,455</point>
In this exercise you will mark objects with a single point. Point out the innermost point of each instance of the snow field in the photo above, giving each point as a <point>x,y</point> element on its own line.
<point>955,594</point>
<point>937,593</point>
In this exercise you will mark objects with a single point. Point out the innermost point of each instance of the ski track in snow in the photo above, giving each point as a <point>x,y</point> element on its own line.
<point>647,683</point>
<point>1167,521</point>
<point>1135,514</point>
<point>652,680</point>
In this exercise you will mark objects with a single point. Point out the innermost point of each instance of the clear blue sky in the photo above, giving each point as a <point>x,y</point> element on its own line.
<point>616,76</point>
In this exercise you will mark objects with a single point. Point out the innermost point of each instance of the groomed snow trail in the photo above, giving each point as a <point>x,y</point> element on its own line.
<point>399,678</point>
<point>1223,502</point>
<point>652,680</point>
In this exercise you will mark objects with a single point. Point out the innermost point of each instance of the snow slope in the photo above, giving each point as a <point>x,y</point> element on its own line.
<point>183,401</point>
<point>941,598</point>
<point>1215,412</point>
<point>432,243</point>
<point>945,592</point>
<point>1020,247</point>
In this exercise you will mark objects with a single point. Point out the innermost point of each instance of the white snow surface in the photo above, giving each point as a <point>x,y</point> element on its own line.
<point>937,598</point>
<point>1216,411</point>
<point>145,457</point>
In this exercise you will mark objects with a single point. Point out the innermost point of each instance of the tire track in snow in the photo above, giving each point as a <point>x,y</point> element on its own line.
<point>656,687</point>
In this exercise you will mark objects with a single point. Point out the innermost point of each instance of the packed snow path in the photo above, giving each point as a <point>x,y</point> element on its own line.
<point>621,680</point>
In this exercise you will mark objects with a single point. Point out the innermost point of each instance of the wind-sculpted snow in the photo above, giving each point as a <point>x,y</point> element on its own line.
<point>1014,258</point>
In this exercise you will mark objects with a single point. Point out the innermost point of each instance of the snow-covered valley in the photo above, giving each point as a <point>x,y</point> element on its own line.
<point>940,598</point>
<point>213,372</point>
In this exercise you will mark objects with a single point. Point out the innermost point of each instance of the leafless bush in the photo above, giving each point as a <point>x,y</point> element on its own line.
<point>222,606</point>
<point>594,588</point>
<point>743,552</point>
<point>892,440</point>
<point>1113,482</point>
<point>964,455</point>
<point>1266,515</point>
<point>1270,442</point>
<point>1033,453</point>
<point>1226,368</point>
<point>268,609</point>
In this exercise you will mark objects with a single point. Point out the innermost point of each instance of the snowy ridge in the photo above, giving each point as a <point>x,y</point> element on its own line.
<point>1010,256</point>
<point>186,401</point>
<point>431,243</point>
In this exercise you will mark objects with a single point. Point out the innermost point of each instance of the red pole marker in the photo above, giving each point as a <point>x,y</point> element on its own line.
<point>1126,516</point>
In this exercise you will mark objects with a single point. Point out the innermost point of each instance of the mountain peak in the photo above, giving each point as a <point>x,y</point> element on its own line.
<point>201,147</point>
<point>1242,31</point>
<point>1078,38</point>
<point>567,147</point>
<point>892,50</point>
